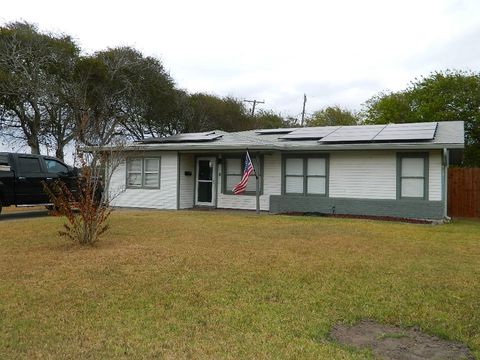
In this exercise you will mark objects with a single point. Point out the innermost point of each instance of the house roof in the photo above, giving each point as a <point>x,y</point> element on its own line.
<point>446,134</point>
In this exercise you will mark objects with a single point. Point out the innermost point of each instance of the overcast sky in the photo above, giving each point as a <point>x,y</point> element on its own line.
<point>338,52</point>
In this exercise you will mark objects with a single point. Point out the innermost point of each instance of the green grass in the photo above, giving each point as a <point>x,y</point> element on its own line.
<point>231,285</point>
<point>400,335</point>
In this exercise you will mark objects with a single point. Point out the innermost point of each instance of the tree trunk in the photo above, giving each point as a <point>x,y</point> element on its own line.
<point>34,146</point>
<point>59,152</point>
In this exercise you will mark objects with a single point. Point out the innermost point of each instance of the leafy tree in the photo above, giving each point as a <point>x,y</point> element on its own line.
<point>123,93</point>
<point>441,96</point>
<point>332,115</point>
<point>35,70</point>
<point>151,99</point>
<point>209,112</point>
<point>267,119</point>
<point>389,107</point>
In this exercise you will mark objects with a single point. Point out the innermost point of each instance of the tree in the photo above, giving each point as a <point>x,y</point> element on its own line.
<point>87,209</point>
<point>35,69</point>
<point>267,119</point>
<point>151,99</point>
<point>332,115</point>
<point>441,96</point>
<point>209,112</point>
<point>389,107</point>
<point>124,93</point>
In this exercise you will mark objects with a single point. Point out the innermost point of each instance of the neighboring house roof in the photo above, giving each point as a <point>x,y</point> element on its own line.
<point>446,134</point>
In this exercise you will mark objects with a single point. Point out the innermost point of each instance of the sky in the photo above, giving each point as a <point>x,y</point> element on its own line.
<point>339,52</point>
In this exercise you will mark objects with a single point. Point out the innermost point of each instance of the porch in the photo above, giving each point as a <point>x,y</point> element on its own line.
<point>207,180</point>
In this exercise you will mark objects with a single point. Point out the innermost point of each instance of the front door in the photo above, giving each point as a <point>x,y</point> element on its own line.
<point>205,182</point>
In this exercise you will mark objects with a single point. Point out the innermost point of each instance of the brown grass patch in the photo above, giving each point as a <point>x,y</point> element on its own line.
<point>231,285</point>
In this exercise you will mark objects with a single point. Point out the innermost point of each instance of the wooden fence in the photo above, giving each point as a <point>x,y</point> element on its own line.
<point>464,192</point>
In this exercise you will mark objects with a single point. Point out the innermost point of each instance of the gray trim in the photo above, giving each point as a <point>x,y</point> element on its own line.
<point>214,185</point>
<point>254,157</point>
<point>178,180</point>
<point>305,157</point>
<point>195,180</point>
<point>216,181</point>
<point>216,148</point>
<point>445,166</point>
<point>142,174</point>
<point>426,175</point>
<point>416,209</point>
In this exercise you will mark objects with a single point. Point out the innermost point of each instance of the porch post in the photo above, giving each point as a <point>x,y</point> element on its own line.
<point>257,194</point>
<point>257,184</point>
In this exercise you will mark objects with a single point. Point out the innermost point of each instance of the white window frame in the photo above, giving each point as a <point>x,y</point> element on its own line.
<point>257,162</point>
<point>305,175</point>
<point>400,177</point>
<point>142,173</point>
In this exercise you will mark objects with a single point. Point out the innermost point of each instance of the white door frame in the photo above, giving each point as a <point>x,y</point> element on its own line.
<point>213,163</point>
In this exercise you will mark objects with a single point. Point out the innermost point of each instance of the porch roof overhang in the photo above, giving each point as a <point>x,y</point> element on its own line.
<point>195,148</point>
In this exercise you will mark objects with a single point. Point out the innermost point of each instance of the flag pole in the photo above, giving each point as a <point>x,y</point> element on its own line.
<point>257,184</point>
<point>257,192</point>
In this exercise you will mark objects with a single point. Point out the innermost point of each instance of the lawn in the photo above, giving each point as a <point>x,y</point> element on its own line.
<point>231,285</point>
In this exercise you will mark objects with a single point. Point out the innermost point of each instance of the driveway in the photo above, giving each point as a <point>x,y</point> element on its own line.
<point>18,215</point>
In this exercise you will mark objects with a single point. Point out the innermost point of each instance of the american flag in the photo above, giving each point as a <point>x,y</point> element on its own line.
<point>247,170</point>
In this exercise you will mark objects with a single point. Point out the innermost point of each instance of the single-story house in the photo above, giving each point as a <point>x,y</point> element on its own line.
<point>397,170</point>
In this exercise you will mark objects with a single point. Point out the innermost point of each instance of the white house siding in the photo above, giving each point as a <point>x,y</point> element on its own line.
<point>163,198</point>
<point>363,174</point>
<point>435,176</point>
<point>187,183</point>
<point>373,175</point>
<point>272,166</point>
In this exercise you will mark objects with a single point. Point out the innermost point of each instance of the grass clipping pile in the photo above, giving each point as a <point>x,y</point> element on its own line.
<point>390,342</point>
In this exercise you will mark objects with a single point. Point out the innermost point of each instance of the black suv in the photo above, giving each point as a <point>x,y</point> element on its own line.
<point>22,177</point>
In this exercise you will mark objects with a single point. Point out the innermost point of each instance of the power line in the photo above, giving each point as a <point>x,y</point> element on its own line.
<point>255,102</point>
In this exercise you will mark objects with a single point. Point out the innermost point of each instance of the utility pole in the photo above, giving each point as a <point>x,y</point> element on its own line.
<point>303,111</point>
<point>255,102</point>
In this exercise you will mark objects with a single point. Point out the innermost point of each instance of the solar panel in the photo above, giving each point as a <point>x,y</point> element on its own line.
<point>275,131</point>
<point>310,133</point>
<point>357,133</point>
<point>180,138</point>
<point>416,131</point>
<point>390,132</point>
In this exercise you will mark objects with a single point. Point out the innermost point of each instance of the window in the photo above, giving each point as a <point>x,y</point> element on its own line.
<point>3,160</point>
<point>4,165</point>
<point>53,166</point>
<point>28,165</point>
<point>412,178</point>
<point>151,172</point>
<point>316,176</point>
<point>233,171</point>
<point>294,176</point>
<point>143,173</point>
<point>306,175</point>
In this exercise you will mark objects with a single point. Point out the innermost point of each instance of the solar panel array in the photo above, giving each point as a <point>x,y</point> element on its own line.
<point>365,133</point>
<point>354,133</point>
<point>181,138</point>
<point>378,133</point>
<point>310,133</point>
<point>417,131</point>
<point>325,134</point>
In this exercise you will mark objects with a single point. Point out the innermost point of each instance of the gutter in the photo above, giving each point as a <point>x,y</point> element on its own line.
<point>278,147</point>
<point>445,182</point>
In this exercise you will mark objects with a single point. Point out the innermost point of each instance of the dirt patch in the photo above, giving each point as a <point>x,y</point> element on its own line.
<point>390,342</point>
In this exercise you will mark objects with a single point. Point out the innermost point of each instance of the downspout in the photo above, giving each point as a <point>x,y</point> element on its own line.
<point>445,183</point>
